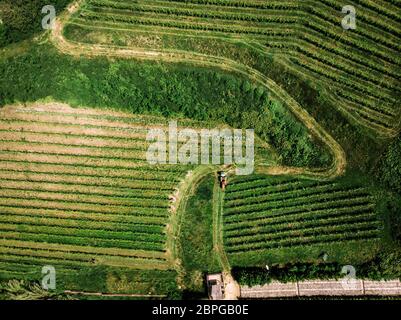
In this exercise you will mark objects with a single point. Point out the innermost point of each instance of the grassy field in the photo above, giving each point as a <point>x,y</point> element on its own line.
<point>198,256</point>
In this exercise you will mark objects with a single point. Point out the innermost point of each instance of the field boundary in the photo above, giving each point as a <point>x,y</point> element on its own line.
<point>322,288</point>
<point>101,294</point>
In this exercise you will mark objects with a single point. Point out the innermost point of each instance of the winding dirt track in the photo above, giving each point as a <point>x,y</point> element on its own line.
<point>79,49</point>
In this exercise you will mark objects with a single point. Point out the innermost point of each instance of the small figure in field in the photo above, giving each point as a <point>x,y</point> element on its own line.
<point>223,180</point>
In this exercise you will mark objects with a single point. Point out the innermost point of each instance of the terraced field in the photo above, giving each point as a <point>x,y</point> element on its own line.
<point>76,190</point>
<point>273,219</point>
<point>360,69</point>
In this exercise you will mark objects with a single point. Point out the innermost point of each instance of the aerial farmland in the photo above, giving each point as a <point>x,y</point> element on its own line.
<point>200,149</point>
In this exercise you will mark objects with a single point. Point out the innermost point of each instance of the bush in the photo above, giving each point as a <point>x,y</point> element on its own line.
<point>389,169</point>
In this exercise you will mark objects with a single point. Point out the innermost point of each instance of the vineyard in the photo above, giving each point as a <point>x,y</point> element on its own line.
<point>279,219</point>
<point>76,190</point>
<point>359,68</point>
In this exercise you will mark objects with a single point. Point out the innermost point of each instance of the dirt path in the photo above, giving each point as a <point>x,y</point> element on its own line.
<point>181,197</point>
<point>231,287</point>
<point>218,198</point>
<point>339,160</point>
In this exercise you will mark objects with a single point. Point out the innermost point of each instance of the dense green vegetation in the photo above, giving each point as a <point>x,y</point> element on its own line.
<point>286,273</point>
<point>198,257</point>
<point>25,290</point>
<point>123,280</point>
<point>167,90</point>
<point>93,279</point>
<point>384,266</point>
<point>22,19</point>
<point>389,168</point>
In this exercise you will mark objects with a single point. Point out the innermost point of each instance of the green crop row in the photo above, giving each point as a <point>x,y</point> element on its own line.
<point>298,227</point>
<point>15,193</point>
<point>301,233</point>
<point>82,223</point>
<point>91,181</point>
<point>297,208</point>
<point>78,257</point>
<point>383,7</point>
<point>100,7</point>
<point>267,219</point>
<point>84,208</point>
<point>385,23</point>
<point>286,194</point>
<point>366,47</point>
<point>89,16</point>
<point>95,234</point>
<point>344,65</point>
<point>18,258</point>
<point>313,38</point>
<point>299,200</point>
<point>364,96</point>
<point>287,5</point>
<point>92,163</point>
<point>260,191</point>
<point>307,241</point>
<point>260,182</point>
<point>344,76</point>
<point>83,217</point>
<point>71,239</point>
<point>77,189</point>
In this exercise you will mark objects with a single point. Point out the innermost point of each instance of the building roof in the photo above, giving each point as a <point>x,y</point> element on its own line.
<point>215,286</point>
<point>216,292</point>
